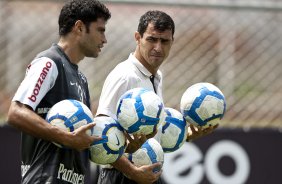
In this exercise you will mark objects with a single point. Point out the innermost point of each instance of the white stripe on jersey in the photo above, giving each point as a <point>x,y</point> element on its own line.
<point>40,77</point>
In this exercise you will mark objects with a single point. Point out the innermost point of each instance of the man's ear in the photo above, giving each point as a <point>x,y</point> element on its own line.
<point>137,37</point>
<point>79,26</point>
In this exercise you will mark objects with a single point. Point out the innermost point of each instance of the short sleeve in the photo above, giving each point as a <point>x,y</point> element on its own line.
<point>113,88</point>
<point>40,77</point>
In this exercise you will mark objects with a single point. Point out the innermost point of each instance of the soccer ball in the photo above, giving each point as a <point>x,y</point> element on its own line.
<point>140,111</point>
<point>69,115</point>
<point>174,130</point>
<point>203,104</point>
<point>150,152</point>
<point>112,145</point>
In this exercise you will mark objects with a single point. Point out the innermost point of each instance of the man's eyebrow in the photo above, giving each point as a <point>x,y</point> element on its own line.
<point>158,38</point>
<point>101,29</point>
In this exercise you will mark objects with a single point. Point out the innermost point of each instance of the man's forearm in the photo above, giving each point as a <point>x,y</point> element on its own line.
<point>124,166</point>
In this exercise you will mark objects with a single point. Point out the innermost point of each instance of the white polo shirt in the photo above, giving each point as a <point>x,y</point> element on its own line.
<point>126,75</point>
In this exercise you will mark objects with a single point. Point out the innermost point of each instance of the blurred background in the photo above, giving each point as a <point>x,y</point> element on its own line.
<point>234,44</point>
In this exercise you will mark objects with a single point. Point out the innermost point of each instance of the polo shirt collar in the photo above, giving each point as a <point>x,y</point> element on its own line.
<point>141,68</point>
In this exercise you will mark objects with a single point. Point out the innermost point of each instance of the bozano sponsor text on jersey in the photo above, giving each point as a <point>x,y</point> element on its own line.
<point>40,81</point>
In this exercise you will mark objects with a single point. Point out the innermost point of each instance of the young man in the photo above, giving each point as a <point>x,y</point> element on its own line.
<point>154,39</point>
<point>51,77</point>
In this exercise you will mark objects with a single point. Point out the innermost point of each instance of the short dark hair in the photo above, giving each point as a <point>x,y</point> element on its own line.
<point>85,10</point>
<point>159,19</point>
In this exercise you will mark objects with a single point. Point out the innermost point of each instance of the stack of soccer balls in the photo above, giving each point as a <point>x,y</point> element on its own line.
<point>141,111</point>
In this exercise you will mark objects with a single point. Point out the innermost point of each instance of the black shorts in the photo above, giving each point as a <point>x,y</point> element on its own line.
<point>113,176</point>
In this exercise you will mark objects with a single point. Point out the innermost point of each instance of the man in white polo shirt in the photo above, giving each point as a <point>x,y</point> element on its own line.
<point>154,39</point>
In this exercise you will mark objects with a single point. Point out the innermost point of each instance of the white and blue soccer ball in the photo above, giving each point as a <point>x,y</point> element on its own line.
<point>203,104</point>
<point>112,145</point>
<point>69,115</point>
<point>150,152</point>
<point>140,111</point>
<point>174,130</point>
